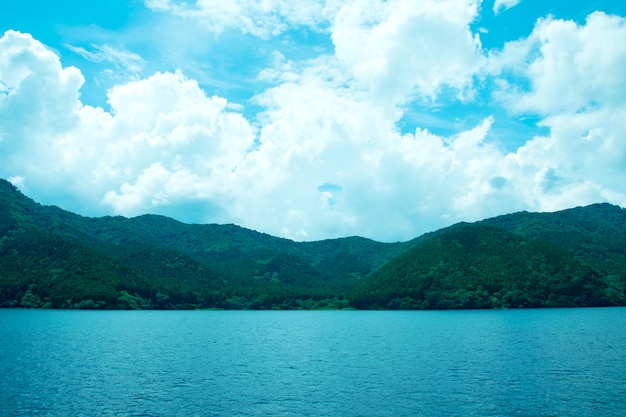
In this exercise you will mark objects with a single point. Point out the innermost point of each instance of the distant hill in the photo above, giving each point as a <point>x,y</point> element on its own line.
<point>482,266</point>
<point>596,235</point>
<point>56,259</point>
<point>157,262</point>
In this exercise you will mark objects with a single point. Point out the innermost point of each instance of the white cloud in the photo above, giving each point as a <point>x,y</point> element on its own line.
<point>154,186</point>
<point>163,125</point>
<point>164,132</point>
<point>119,57</point>
<point>40,102</point>
<point>259,18</point>
<point>503,5</point>
<point>576,84</point>
<point>17,181</point>
<point>400,49</point>
<point>570,67</point>
<point>325,158</point>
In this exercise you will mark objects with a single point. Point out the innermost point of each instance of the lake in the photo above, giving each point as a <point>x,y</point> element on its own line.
<point>556,362</point>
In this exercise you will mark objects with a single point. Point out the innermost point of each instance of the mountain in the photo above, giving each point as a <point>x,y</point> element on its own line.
<point>595,234</point>
<point>482,266</point>
<point>574,257</point>
<point>157,262</point>
<point>53,258</point>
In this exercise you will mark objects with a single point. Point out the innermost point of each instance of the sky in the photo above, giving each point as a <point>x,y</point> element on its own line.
<point>318,119</point>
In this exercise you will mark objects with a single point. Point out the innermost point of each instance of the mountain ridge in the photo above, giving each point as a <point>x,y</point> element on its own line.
<point>53,258</point>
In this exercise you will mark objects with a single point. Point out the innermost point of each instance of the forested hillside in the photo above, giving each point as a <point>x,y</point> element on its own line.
<point>156,262</point>
<point>481,266</point>
<point>595,235</point>
<point>56,259</point>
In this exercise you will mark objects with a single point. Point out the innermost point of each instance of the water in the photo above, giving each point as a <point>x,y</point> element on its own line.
<point>564,362</point>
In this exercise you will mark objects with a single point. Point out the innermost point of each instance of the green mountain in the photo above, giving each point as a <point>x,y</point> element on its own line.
<point>574,257</point>
<point>596,235</point>
<point>53,258</point>
<point>482,266</point>
<point>156,262</point>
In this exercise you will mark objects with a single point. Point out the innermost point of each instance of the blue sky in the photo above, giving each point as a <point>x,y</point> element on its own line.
<point>312,120</point>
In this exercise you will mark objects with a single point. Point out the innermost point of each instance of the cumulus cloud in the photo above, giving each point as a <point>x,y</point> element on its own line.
<point>573,79</point>
<point>325,157</point>
<point>162,131</point>
<point>39,102</point>
<point>403,49</point>
<point>570,67</point>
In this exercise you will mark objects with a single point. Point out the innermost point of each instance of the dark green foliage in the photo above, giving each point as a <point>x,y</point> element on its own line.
<point>481,266</point>
<point>58,272</point>
<point>55,259</point>
<point>596,235</point>
<point>70,261</point>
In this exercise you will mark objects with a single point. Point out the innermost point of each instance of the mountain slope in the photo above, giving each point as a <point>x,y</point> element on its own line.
<point>170,264</point>
<point>596,235</point>
<point>53,258</point>
<point>482,266</point>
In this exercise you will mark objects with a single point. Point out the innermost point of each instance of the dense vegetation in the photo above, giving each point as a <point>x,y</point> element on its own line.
<point>480,266</point>
<point>53,258</point>
<point>56,259</point>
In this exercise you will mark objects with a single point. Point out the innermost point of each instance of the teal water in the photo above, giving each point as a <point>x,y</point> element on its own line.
<point>561,362</point>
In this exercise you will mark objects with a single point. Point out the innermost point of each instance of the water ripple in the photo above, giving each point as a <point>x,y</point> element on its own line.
<point>491,363</point>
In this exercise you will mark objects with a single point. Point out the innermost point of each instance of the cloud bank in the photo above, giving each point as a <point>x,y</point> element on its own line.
<point>324,157</point>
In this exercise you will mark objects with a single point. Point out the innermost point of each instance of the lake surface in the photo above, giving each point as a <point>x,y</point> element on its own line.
<point>561,362</point>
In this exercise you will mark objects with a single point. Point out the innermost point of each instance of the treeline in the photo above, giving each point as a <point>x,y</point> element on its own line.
<point>43,270</point>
